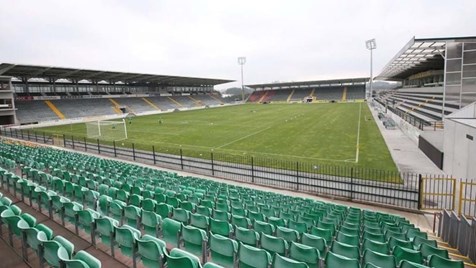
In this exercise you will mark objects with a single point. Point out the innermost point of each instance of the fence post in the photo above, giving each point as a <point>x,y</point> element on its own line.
<point>181,158</point>
<point>36,137</point>
<point>420,190</point>
<point>351,183</point>
<point>114,145</point>
<point>44,137</point>
<point>297,175</point>
<point>252,170</point>
<point>21,131</point>
<point>85,145</point>
<point>64,140</point>
<point>28,133</point>
<point>133,152</point>
<point>99,148</point>
<point>153,153</point>
<point>213,166</point>
<point>72,140</point>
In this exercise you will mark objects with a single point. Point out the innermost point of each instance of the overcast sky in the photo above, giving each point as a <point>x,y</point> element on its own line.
<point>282,40</point>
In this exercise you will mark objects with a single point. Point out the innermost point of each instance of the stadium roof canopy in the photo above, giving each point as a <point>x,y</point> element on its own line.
<point>48,73</point>
<point>418,55</point>
<point>315,83</point>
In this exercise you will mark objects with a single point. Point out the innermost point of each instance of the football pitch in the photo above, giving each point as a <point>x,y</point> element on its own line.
<point>332,134</point>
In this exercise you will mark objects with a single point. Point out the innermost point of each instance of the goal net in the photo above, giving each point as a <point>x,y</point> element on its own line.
<point>107,130</point>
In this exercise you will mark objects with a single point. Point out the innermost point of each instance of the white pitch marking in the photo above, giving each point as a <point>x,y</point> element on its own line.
<point>358,136</point>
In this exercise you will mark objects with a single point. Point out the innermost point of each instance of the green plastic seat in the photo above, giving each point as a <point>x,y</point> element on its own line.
<point>335,260</point>
<point>171,230</point>
<point>151,251</point>
<point>116,210</point>
<point>221,215</point>
<point>223,250</point>
<point>221,227</point>
<point>181,215</point>
<point>51,250</point>
<point>70,210</point>
<point>164,210</point>
<point>240,221</point>
<point>86,219</point>
<point>327,234</point>
<point>277,221</point>
<point>203,210</point>
<point>283,262</point>
<point>247,236</point>
<point>149,204</point>
<point>187,205</point>
<point>103,204</point>
<point>378,259</point>
<point>436,261</point>
<point>36,235</point>
<point>151,222</point>
<point>375,246</point>
<point>83,259</point>
<point>273,244</point>
<point>303,253</point>
<point>105,229</point>
<point>290,235</point>
<point>195,241</point>
<point>393,242</point>
<point>173,201</point>
<point>132,216</point>
<point>418,241</point>
<point>256,216</point>
<point>352,240</point>
<point>345,250</point>
<point>301,227</point>
<point>264,227</point>
<point>316,242</point>
<point>251,257</point>
<point>11,220</point>
<point>407,254</point>
<point>212,265</point>
<point>200,221</point>
<point>135,200</point>
<point>378,237</point>
<point>181,259</point>
<point>409,264</point>
<point>126,238</point>
<point>427,250</point>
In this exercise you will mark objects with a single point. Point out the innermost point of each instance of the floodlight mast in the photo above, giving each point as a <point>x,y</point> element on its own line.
<point>241,62</point>
<point>371,45</point>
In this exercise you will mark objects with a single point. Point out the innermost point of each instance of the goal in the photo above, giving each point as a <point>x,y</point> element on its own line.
<point>107,130</point>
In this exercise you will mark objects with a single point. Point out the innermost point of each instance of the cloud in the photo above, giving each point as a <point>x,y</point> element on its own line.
<point>282,40</point>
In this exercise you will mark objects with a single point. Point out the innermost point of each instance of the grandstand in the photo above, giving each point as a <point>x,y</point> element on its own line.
<point>438,80</point>
<point>323,90</point>
<point>45,93</point>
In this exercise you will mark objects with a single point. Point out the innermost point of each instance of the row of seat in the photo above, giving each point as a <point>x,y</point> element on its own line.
<point>177,188</point>
<point>55,250</point>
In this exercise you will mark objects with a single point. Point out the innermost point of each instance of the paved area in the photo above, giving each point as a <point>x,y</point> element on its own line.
<point>405,152</point>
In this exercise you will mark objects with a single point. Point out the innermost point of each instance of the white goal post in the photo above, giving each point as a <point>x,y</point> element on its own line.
<point>107,130</point>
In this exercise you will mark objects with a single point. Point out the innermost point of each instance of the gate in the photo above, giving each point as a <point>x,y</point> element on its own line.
<point>437,193</point>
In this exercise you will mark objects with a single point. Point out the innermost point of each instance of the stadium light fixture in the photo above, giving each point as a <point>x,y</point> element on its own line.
<point>241,62</point>
<point>371,45</point>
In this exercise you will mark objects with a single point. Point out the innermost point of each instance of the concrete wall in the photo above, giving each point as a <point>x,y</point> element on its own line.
<point>460,150</point>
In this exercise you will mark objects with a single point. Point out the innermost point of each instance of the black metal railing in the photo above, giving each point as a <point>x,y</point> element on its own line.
<point>401,189</point>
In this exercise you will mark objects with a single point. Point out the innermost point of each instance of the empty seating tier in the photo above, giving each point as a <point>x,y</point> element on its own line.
<point>161,219</point>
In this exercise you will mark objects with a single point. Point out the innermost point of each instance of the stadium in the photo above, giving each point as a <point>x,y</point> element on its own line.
<point>103,168</point>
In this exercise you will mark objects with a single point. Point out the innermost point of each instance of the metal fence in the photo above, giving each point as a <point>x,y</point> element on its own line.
<point>404,190</point>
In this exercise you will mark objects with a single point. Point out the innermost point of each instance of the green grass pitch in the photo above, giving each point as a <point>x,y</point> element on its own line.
<point>313,133</point>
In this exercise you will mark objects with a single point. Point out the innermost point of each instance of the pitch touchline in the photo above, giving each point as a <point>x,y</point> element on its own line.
<point>358,136</point>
